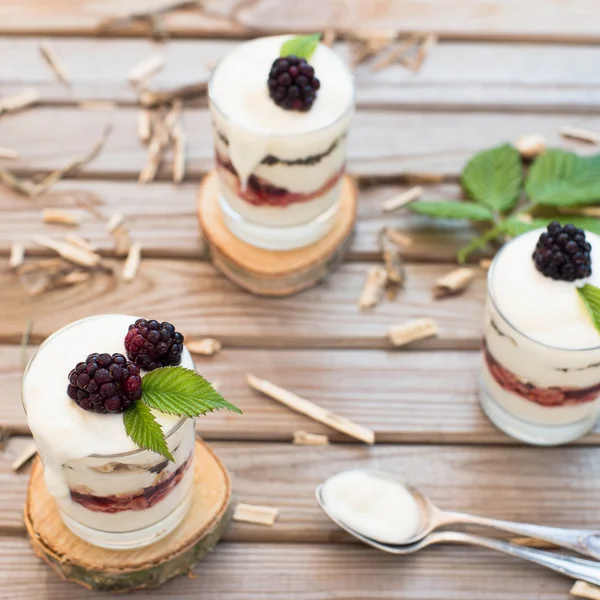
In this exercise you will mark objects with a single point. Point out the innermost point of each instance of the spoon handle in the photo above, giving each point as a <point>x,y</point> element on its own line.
<point>570,566</point>
<point>584,541</point>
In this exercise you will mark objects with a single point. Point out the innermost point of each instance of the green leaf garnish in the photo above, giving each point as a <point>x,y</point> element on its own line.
<point>590,295</point>
<point>182,392</point>
<point>494,177</point>
<point>560,178</point>
<point>144,430</point>
<point>302,46</point>
<point>452,210</point>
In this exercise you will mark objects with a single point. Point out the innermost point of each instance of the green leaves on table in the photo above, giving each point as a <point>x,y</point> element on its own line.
<point>590,295</point>
<point>498,194</point>
<point>175,391</point>
<point>302,46</point>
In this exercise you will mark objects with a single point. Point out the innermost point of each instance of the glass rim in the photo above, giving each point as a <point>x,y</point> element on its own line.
<point>490,294</point>
<point>214,104</point>
<point>173,430</point>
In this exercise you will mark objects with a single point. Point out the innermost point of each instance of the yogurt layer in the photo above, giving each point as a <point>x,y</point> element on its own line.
<point>63,431</point>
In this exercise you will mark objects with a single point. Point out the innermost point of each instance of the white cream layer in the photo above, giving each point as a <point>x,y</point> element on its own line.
<point>63,431</point>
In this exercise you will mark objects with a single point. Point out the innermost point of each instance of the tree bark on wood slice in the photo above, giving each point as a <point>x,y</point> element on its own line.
<point>126,570</point>
<point>269,272</point>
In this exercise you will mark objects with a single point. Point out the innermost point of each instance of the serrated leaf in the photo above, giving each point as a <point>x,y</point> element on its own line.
<point>494,177</point>
<point>590,295</point>
<point>183,392</point>
<point>144,430</point>
<point>452,210</point>
<point>560,178</point>
<point>302,46</point>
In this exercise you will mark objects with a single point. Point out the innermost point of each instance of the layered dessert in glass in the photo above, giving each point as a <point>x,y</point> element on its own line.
<point>541,353</point>
<point>280,127</point>
<point>109,491</point>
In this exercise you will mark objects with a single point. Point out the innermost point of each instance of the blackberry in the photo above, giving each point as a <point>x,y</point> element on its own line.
<point>563,253</point>
<point>105,383</point>
<point>151,344</point>
<point>292,83</point>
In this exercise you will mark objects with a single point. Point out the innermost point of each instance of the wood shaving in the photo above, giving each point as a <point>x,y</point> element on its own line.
<point>28,452</point>
<point>54,62</point>
<point>205,346</point>
<point>79,241</point>
<point>312,410</point>
<point>532,543</point>
<point>582,589</point>
<point>156,149</point>
<point>399,238</point>
<point>418,329</point>
<point>132,263</point>
<point>583,135</point>
<point>17,184</point>
<point>329,36</point>
<point>9,154</point>
<point>373,288</point>
<point>453,283</point>
<point>116,220</point>
<point>303,438</point>
<point>428,44</point>
<point>70,252</point>
<point>17,256</point>
<point>153,98</point>
<point>396,53</point>
<point>367,43</point>
<point>253,513</point>
<point>60,217</point>
<point>42,276</point>
<point>403,199</point>
<point>121,240</point>
<point>144,125</point>
<point>179,140</point>
<point>485,263</point>
<point>146,69</point>
<point>531,145</point>
<point>424,178</point>
<point>394,266</point>
<point>97,105</point>
<point>19,101</point>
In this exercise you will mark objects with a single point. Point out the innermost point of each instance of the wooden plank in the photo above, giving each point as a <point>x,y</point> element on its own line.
<point>496,19</point>
<point>162,216</point>
<point>413,397</point>
<point>526,485</point>
<point>190,294</point>
<point>381,143</point>
<point>477,76</point>
<point>287,571</point>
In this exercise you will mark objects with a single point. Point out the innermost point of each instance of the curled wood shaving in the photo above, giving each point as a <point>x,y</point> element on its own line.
<point>9,154</point>
<point>54,62</point>
<point>17,256</point>
<point>253,513</point>
<point>132,263</point>
<point>19,101</point>
<point>582,589</point>
<point>152,98</point>
<point>60,217</point>
<point>583,135</point>
<point>303,438</point>
<point>418,329</point>
<point>116,220</point>
<point>312,410</point>
<point>122,241</point>
<point>144,70</point>
<point>205,346</point>
<point>453,283</point>
<point>28,452</point>
<point>373,288</point>
<point>144,125</point>
<point>70,252</point>
<point>17,184</point>
<point>97,105</point>
<point>79,241</point>
<point>531,145</point>
<point>394,266</point>
<point>403,199</point>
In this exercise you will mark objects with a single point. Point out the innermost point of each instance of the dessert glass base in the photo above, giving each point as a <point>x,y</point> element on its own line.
<point>528,432</point>
<point>279,238</point>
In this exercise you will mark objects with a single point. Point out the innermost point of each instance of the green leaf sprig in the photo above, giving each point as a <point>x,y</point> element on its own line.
<point>302,46</point>
<point>175,391</point>
<point>500,195</point>
<point>590,295</point>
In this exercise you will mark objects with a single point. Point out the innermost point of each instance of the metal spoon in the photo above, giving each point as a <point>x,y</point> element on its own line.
<point>570,566</point>
<point>583,541</point>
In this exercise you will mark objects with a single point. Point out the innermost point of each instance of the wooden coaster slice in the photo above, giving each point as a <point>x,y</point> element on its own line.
<point>269,272</point>
<point>126,570</point>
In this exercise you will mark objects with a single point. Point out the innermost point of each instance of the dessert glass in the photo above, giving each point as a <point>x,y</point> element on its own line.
<point>535,391</point>
<point>279,171</point>
<point>121,500</point>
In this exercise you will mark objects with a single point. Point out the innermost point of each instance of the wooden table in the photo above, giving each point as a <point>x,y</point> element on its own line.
<point>500,70</point>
